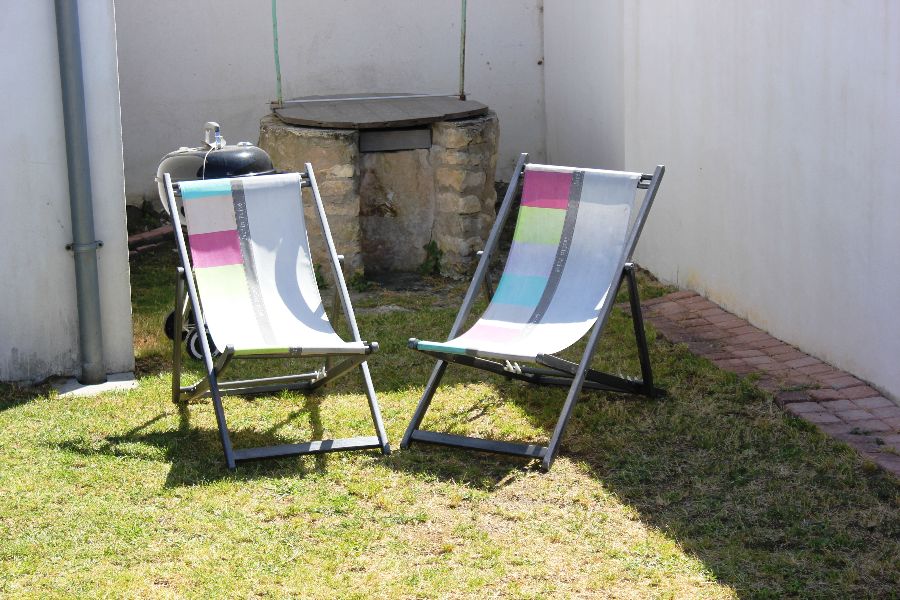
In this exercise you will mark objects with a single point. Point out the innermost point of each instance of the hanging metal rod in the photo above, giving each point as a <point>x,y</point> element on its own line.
<point>279,97</point>
<point>462,53</point>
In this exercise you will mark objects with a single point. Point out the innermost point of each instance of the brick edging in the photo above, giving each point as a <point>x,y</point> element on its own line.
<point>838,403</point>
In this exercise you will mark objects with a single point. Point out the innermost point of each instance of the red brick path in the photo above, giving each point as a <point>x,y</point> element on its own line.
<point>838,403</point>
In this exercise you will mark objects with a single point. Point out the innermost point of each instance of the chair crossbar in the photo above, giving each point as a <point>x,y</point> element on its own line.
<point>315,447</point>
<point>462,441</point>
<point>304,182</point>
<point>614,382</point>
<point>594,380</point>
<point>267,385</point>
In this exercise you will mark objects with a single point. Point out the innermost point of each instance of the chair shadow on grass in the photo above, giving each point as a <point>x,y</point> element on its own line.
<point>477,470</point>
<point>768,505</point>
<point>763,501</point>
<point>195,454</point>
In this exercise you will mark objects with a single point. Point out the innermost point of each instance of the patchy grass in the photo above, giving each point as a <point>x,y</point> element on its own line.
<point>710,493</point>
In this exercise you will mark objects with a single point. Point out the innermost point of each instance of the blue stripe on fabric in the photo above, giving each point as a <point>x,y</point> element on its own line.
<point>202,189</point>
<point>438,347</point>
<point>521,290</point>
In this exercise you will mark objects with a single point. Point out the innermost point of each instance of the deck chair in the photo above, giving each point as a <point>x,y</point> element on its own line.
<point>574,236</point>
<point>256,296</point>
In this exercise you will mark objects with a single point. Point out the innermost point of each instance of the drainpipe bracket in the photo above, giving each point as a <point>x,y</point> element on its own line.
<point>77,248</point>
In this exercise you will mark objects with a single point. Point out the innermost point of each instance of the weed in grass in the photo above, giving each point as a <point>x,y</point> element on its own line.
<point>358,283</point>
<point>432,263</point>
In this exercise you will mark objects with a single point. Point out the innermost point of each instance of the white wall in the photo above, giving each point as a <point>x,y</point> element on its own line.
<point>38,318</point>
<point>779,125</point>
<point>584,80</point>
<point>185,63</point>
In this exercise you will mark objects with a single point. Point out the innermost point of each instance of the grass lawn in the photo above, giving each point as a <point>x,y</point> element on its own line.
<point>712,492</point>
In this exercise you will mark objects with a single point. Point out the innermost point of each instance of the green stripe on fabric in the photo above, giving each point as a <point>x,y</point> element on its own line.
<point>539,225</point>
<point>253,351</point>
<point>223,284</point>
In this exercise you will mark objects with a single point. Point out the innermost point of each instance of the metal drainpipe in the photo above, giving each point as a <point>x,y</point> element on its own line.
<point>84,245</point>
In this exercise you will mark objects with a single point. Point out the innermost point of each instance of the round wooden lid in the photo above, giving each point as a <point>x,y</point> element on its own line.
<point>376,111</point>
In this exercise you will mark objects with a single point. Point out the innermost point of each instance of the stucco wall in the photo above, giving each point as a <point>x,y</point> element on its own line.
<point>38,318</point>
<point>584,81</point>
<point>780,126</point>
<point>778,123</point>
<point>185,63</point>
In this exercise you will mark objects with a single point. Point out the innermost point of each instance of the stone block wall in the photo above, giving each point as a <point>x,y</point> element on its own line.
<point>334,154</point>
<point>464,158</point>
<point>384,207</point>
<point>397,209</point>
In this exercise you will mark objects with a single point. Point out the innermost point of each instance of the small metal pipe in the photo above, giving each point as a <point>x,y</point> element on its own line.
<point>640,336</point>
<point>279,98</point>
<point>462,53</point>
<point>84,243</point>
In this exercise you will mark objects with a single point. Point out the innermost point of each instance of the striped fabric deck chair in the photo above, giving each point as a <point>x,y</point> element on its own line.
<point>574,237</point>
<point>256,295</point>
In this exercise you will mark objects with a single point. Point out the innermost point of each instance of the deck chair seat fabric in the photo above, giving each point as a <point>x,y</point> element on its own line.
<point>252,265</point>
<point>567,248</point>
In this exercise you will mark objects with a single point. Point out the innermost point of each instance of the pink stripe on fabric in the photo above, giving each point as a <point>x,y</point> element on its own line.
<point>483,331</point>
<point>546,189</point>
<point>216,249</point>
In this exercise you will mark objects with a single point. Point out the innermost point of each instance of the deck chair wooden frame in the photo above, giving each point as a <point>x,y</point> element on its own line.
<point>553,370</point>
<point>336,362</point>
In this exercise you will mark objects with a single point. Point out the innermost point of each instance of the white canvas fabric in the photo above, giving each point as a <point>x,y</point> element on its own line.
<point>253,267</point>
<point>565,259</point>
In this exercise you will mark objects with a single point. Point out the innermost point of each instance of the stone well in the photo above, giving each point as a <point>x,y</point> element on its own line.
<point>384,207</point>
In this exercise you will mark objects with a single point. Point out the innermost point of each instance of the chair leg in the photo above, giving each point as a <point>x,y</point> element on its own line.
<point>430,388</point>
<point>212,377</point>
<point>574,391</point>
<point>637,318</point>
<point>180,296</point>
<point>374,409</point>
<point>224,436</point>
